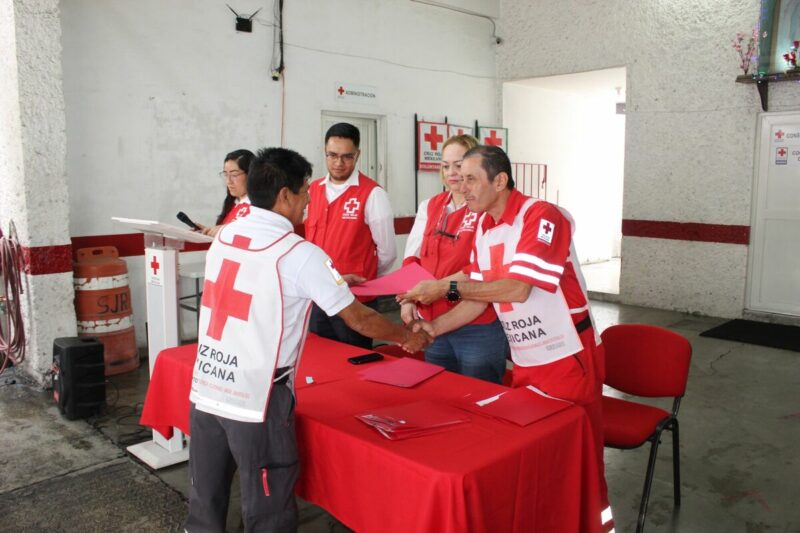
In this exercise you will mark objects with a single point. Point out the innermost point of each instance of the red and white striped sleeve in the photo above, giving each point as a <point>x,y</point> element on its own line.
<point>543,248</point>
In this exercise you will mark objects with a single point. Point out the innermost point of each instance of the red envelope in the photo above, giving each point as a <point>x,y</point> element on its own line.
<point>522,406</point>
<point>403,372</point>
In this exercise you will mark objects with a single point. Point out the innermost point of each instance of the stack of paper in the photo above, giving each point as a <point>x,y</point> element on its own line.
<point>415,419</point>
<point>522,406</point>
<point>403,372</point>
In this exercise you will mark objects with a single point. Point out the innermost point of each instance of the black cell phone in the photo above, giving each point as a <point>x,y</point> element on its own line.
<point>366,358</point>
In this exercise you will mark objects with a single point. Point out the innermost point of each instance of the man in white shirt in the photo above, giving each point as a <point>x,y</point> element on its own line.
<point>349,217</point>
<point>260,280</point>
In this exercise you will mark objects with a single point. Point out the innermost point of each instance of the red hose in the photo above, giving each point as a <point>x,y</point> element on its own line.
<point>12,329</point>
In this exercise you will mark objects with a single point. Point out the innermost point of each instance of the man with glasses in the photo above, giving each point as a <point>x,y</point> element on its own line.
<point>349,217</point>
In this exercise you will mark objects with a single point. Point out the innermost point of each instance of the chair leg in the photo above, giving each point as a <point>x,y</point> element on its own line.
<point>648,481</point>
<point>676,464</point>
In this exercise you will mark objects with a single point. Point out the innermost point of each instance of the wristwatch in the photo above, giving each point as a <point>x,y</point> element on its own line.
<point>453,296</point>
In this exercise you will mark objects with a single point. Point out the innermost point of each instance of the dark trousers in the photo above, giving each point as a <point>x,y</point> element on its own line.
<point>266,456</point>
<point>334,328</point>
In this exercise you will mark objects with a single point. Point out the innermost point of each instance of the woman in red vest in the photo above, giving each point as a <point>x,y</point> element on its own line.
<point>440,241</point>
<point>236,204</point>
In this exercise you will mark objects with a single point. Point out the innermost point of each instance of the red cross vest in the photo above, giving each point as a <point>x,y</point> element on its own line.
<point>540,330</point>
<point>240,210</point>
<point>446,246</point>
<point>240,328</point>
<point>340,228</point>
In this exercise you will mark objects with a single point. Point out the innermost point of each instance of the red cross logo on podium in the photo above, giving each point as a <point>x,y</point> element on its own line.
<point>493,139</point>
<point>340,90</point>
<point>351,207</point>
<point>223,300</point>
<point>434,138</point>
<point>154,264</point>
<point>498,270</point>
<point>779,134</point>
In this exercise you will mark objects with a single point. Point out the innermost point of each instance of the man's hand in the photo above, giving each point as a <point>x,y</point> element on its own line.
<point>408,312</point>
<point>417,339</point>
<point>422,325</point>
<point>353,279</point>
<point>426,292</point>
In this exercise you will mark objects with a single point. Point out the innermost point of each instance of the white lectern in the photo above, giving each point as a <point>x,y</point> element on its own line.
<point>161,245</point>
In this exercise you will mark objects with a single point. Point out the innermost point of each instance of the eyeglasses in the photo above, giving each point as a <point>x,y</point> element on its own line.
<point>232,175</point>
<point>441,226</point>
<point>344,158</point>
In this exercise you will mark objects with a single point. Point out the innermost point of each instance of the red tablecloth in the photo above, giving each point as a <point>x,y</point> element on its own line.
<point>487,475</point>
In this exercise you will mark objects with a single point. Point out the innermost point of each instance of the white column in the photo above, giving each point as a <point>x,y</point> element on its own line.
<point>33,185</point>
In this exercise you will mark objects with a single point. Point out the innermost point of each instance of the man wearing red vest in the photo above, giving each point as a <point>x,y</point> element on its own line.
<point>351,219</point>
<point>524,263</point>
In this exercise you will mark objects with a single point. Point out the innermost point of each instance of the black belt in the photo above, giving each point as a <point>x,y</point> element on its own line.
<point>584,324</point>
<point>284,371</point>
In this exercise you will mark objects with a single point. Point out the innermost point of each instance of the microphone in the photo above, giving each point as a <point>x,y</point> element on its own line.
<point>188,221</point>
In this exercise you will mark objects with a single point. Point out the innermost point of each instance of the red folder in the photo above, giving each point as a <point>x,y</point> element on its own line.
<point>414,419</point>
<point>401,280</point>
<point>522,406</point>
<point>403,372</point>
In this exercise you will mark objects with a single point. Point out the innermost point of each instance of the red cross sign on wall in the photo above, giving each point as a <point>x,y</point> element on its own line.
<point>434,138</point>
<point>430,136</point>
<point>498,270</point>
<point>154,264</point>
<point>492,136</point>
<point>223,300</point>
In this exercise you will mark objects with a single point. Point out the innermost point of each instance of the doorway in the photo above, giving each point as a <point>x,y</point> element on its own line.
<point>575,124</point>
<point>774,260</point>
<point>373,139</point>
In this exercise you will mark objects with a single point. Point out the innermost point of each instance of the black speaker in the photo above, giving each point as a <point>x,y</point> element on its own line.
<point>79,381</point>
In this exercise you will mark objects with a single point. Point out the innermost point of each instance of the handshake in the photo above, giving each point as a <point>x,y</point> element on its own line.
<point>420,334</point>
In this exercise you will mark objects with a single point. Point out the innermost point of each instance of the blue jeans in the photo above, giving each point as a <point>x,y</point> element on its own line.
<point>475,350</point>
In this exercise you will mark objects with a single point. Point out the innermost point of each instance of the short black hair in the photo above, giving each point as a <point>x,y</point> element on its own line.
<point>344,130</point>
<point>494,161</point>
<point>273,169</point>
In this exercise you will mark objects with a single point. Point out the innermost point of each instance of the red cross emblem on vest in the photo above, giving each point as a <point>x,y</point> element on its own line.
<point>498,270</point>
<point>223,300</point>
<point>351,207</point>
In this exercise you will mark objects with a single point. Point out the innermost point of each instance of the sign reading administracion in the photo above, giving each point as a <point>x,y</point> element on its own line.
<point>357,94</point>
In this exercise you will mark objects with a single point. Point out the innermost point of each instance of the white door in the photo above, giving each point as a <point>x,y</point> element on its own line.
<point>368,162</point>
<point>774,267</point>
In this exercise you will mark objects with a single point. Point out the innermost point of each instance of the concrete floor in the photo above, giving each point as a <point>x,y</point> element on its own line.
<point>740,425</point>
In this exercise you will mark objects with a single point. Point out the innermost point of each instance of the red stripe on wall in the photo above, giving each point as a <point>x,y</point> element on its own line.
<point>127,244</point>
<point>686,231</point>
<point>40,260</point>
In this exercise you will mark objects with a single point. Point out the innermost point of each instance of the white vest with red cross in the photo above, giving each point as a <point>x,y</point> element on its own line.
<point>240,328</point>
<point>540,329</point>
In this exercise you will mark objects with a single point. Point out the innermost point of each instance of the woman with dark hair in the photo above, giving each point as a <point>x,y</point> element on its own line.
<point>236,204</point>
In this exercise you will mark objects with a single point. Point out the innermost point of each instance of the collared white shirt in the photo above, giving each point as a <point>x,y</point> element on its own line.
<point>378,216</point>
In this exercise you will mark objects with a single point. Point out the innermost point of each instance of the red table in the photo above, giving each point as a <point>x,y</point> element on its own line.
<point>487,475</point>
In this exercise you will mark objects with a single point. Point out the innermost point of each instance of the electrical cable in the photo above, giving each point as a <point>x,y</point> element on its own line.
<point>12,328</point>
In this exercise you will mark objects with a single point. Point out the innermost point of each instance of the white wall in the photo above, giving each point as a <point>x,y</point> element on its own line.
<point>690,130</point>
<point>157,92</point>
<point>582,140</point>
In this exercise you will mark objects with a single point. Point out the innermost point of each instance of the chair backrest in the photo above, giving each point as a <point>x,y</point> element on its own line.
<point>646,360</point>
